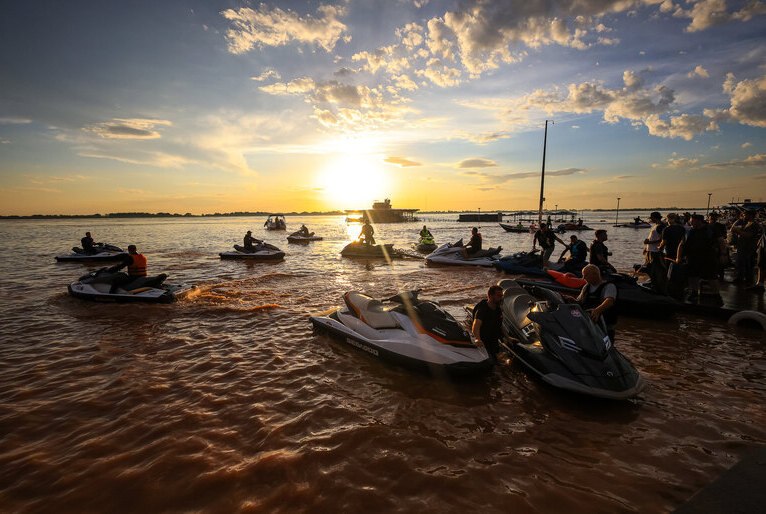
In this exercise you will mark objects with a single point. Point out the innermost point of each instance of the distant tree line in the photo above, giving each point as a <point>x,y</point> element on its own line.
<point>164,215</point>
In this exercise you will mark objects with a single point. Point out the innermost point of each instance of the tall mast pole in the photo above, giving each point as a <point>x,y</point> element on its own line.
<point>542,177</point>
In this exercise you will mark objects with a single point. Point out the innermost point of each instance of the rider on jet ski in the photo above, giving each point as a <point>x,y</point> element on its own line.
<point>367,232</point>
<point>249,240</point>
<point>425,232</point>
<point>599,297</point>
<point>303,231</point>
<point>474,245</point>
<point>87,244</point>
<point>136,264</point>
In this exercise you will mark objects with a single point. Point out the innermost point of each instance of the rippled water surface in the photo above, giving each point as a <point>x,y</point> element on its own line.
<point>228,401</point>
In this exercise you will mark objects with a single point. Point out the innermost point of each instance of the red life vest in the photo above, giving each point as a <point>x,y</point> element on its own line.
<point>138,267</point>
<point>567,279</point>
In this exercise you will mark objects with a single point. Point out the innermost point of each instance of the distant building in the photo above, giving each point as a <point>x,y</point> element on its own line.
<point>382,212</point>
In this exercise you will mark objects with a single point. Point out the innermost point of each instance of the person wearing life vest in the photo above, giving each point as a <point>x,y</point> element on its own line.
<point>425,232</point>
<point>598,297</point>
<point>136,264</point>
<point>578,255</point>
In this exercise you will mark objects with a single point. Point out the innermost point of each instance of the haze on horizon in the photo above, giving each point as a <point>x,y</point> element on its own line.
<point>222,106</point>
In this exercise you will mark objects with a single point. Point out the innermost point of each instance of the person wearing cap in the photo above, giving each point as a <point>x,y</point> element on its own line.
<point>655,260</point>
<point>250,242</point>
<point>701,253</point>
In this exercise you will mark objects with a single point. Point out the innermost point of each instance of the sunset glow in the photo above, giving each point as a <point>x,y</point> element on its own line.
<point>437,104</point>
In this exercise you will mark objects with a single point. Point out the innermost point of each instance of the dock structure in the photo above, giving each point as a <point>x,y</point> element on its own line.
<point>474,217</point>
<point>382,212</point>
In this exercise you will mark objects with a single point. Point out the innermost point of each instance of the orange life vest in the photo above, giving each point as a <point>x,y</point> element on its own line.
<point>567,279</point>
<point>138,267</point>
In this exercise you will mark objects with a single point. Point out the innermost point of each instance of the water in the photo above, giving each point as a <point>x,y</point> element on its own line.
<point>228,401</point>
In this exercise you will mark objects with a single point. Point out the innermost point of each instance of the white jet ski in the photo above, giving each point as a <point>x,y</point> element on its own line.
<point>452,254</point>
<point>261,252</point>
<point>104,252</point>
<point>407,331</point>
<point>97,285</point>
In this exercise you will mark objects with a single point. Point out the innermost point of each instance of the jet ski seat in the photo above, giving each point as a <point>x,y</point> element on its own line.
<point>521,301</point>
<point>370,311</point>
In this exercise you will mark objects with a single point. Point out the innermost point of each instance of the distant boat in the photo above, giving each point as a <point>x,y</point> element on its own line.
<point>515,228</point>
<point>276,222</point>
<point>382,212</point>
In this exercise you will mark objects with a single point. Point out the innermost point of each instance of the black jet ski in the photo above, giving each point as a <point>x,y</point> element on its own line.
<point>97,285</point>
<point>452,254</point>
<point>361,250</point>
<point>408,331</point>
<point>633,299</point>
<point>260,252</point>
<point>563,346</point>
<point>302,237</point>
<point>104,252</point>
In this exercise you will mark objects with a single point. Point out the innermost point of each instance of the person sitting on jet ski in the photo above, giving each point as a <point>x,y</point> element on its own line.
<point>87,244</point>
<point>303,231</point>
<point>487,325</point>
<point>425,232</point>
<point>136,264</point>
<point>474,244</point>
<point>367,232</point>
<point>599,253</point>
<point>578,251</point>
<point>598,296</point>
<point>249,240</point>
<point>638,221</point>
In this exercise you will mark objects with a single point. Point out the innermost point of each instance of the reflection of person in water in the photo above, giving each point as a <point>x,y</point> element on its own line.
<point>366,236</point>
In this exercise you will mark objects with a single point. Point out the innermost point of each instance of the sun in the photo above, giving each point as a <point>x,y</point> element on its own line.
<point>353,181</point>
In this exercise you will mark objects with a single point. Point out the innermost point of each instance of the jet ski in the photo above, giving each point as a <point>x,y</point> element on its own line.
<point>633,299</point>
<point>361,250</point>
<point>426,244</point>
<point>302,237</point>
<point>104,252</point>
<point>96,286</point>
<point>642,224</point>
<point>260,252</point>
<point>563,346</point>
<point>452,254</point>
<point>408,331</point>
<point>572,227</point>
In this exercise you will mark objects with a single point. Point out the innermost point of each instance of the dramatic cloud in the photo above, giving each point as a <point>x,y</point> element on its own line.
<point>268,26</point>
<point>634,102</point>
<point>402,162</point>
<point>709,13</point>
<point>476,163</point>
<point>748,101</point>
<point>122,128</point>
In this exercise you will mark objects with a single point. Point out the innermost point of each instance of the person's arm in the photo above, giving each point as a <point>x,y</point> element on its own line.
<point>581,297</point>
<point>128,260</point>
<point>596,312</point>
<point>559,240</point>
<point>476,331</point>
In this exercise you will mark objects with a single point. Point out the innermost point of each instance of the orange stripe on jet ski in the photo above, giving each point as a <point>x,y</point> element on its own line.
<point>566,279</point>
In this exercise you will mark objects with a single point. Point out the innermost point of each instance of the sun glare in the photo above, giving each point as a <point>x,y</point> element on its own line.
<point>354,181</point>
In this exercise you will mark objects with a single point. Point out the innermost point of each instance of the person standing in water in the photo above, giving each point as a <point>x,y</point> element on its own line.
<point>487,325</point>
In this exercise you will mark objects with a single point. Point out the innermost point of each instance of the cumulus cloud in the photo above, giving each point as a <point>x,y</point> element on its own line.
<point>272,26</point>
<point>682,163</point>
<point>635,101</point>
<point>698,71</point>
<point>476,163</point>
<point>389,58</point>
<point>402,162</point>
<point>705,14</point>
<point>267,74</point>
<point>748,100</point>
<point>128,128</point>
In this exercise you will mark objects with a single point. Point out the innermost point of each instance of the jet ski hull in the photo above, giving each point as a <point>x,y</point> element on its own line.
<point>267,255</point>
<point>398,346</point>
<point>303,239</point>
<point>98,257</point>
<point>363,251</point>
<point>514,228</point>
<point>552,372</point>
<point>452,255</point>
<point>166,293</point>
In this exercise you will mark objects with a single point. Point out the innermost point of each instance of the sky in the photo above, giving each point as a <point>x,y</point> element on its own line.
<point>221,106</point>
